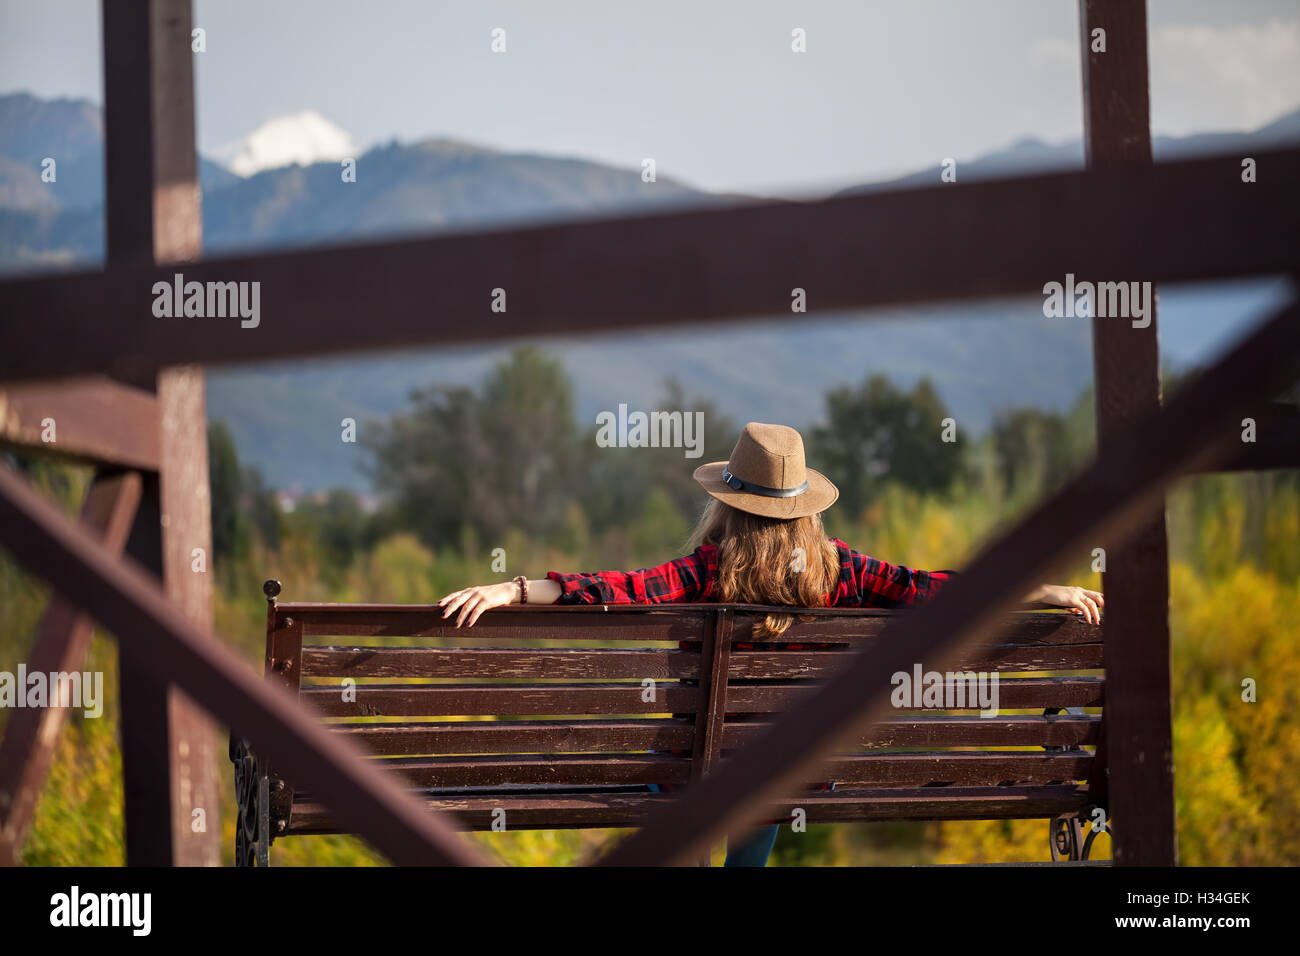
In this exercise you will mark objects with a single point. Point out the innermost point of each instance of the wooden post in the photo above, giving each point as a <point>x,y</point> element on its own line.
<point>1138,726</point>
<point>153,215</point>
<point>715,663</point>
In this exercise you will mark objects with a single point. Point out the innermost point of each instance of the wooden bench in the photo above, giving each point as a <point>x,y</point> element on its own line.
<point>522,722</point>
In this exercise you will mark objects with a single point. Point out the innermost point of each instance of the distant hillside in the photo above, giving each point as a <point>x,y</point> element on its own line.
<point>424,187</point>
<point>285,418</point>
<point>1031,155</point>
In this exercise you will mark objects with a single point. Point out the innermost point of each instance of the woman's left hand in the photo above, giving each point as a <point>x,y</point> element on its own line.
<point>1079,601</point>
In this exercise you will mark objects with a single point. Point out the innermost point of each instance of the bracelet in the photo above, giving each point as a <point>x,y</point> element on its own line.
<point>523,589</point>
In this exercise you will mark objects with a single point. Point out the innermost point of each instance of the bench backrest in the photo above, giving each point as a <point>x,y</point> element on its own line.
<point>555,704</point>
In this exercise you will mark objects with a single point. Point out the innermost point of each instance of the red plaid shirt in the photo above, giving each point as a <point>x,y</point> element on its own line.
<point>864,582</point>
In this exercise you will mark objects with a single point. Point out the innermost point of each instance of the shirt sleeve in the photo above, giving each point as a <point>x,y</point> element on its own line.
<point>869,582</point>
<point>682,580</point>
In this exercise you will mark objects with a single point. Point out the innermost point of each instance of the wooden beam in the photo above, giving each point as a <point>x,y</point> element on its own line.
<point>1276,441</point>
<point>128,602</point>
<point>62,640</point>
<point>96,420</point>
<point>1188,220</point>
<point>1116,492</point>
<point>169,751</point>
<point>1138,723</point>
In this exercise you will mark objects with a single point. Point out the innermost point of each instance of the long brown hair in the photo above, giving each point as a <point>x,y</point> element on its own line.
<point>763,560</point>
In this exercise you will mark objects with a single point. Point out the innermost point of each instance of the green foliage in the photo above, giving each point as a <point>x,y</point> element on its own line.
<point>497,459</point>
<point>241,505</point>
<point>229,532</point>
<point>878,433</point>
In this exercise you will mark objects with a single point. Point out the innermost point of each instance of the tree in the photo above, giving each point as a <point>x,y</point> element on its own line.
<point>496,459</point>
<point>1033,450</point>
<point>877,433</point>
<point>225,483</point>
<point>617,482</point>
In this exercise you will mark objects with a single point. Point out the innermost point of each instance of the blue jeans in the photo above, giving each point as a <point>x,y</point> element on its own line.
<point>752,849</point>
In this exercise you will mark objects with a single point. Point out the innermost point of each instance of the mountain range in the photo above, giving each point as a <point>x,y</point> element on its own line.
<point>285,417</point>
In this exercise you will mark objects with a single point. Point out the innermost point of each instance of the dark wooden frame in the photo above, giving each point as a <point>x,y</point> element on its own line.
<point>1122,218</point>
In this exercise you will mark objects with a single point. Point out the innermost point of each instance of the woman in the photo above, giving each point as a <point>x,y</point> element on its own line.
<point>759,541</point>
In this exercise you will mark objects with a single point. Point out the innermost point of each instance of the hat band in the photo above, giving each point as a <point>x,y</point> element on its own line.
<point>732,481</point>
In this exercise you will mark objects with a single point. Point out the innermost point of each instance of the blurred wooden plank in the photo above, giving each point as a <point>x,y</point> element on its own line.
<point>1276,444</point>
<point>1190,219</point>
<point>96,420</point>
<point>62,640</point>
<point>1138,725</point>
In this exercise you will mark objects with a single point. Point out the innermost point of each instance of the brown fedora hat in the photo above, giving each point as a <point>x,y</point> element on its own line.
<point>766,475</point>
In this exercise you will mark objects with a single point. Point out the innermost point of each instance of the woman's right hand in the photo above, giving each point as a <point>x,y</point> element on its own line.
<point>1087,604</point>
<point>474,601</point>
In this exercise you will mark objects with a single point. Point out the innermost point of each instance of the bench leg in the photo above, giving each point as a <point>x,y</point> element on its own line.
<point>1067,840</point>
<point>252,794</point>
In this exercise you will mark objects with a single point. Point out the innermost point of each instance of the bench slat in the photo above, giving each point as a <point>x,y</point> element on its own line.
<point>1061,730</point>
<point>432,700</point>
<point>659,664</point>
<point>499,664</point>
<point>975,768</point>
<point>609,736</point>
<point>1014,693</point>
<point>576,811</point>
<point>561,625</point>
<point>1044,629</point>
<point>662,623</point>
<point>518,736</point>
<point>425,700</point>
<point>994,657</point>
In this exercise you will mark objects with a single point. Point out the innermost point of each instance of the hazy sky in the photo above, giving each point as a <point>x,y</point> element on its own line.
<point>709,88</point>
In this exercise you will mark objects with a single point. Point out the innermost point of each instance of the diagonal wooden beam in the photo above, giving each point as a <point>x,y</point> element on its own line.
<point>1190,219</point>
<point>1112,496</point>
<point>1276,440</point>
<point>62,640</point>
<point>161,639</point>
<point>94,420</point>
